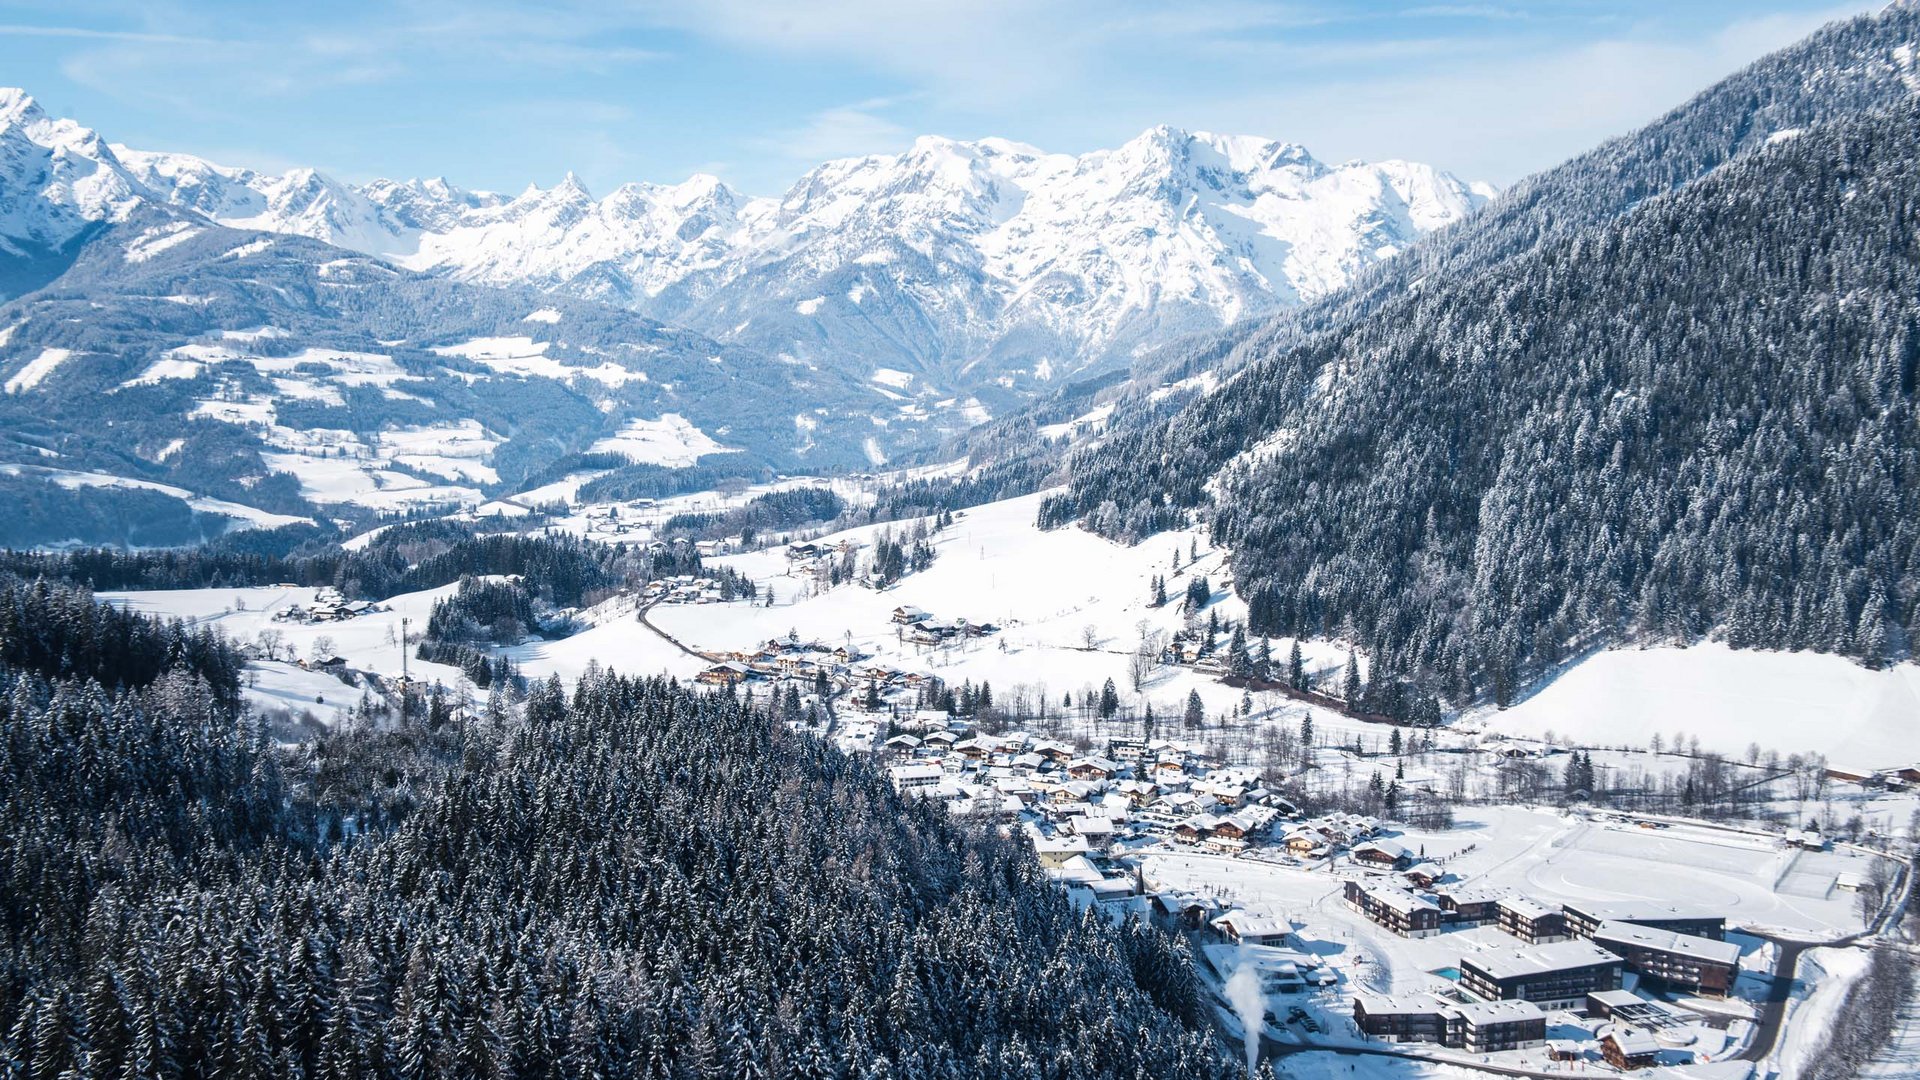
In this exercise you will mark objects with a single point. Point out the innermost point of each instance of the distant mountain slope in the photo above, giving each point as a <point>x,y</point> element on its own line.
<point>967,263</point>
<point>281,373</point>
<point>1699,418</point>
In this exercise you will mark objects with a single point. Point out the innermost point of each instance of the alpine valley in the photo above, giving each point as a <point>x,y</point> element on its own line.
<point>1182,610</point>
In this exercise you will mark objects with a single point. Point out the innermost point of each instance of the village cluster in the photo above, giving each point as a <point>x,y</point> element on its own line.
<point>1093,818</point>
<point>843,667</point>
<point>328,606</point>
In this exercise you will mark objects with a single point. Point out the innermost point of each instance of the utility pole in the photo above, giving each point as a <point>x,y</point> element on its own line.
<point>403,649</point>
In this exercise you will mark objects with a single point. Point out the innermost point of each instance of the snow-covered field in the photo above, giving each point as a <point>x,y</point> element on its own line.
<point>370,642</point>
<point>616,640</point>
<point>1790,702</point>
<point>671,441</point>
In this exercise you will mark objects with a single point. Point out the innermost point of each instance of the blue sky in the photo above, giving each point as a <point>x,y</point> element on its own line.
<point>498,95</point>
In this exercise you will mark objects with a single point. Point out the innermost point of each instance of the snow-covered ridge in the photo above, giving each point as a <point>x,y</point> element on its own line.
<point>943,252</point>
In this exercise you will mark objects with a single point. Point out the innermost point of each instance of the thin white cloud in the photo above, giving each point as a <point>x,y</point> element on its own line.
<point>87,34</point>
<point>844,131</point>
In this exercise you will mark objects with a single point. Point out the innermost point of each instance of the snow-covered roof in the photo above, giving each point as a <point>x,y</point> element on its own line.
<point>1496,1012</point>
<point>1409,1005</point>
<point>1526,907</point>
<point>1246,924</point>
<point>1539,959</point>
<point>1700,948</point>
<point>1398,899</point>
<point>1632,1041</point>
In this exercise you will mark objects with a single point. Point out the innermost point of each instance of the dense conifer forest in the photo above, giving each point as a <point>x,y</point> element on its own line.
<point>632,880</point>
<point>407,557</point>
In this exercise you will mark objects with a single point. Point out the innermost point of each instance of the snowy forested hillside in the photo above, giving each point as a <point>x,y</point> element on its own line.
<point>1698,419</point>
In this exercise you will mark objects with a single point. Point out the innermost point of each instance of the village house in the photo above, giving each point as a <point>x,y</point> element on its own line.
<point>1081,872</point>
<point>1183,911</point>
<point>1093,768</point>
<point>1306,842</point>
<point>1243,927</point>
<point>726,674</point>
<point>1059,753</point>
<point>972,749</point>
<point>1099,831</point>
<point>1424,875</point>
<point>1627,1048</point>
<point>906,615</point>
<point>1384,853</point>
<point>915,778</point>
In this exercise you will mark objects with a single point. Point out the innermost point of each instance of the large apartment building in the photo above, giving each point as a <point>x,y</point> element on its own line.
<point>1675,961</point>
<point>1480,1027</point>
<point>1405,913</point>
<point>1584,918</point>
<point>1555,976</point>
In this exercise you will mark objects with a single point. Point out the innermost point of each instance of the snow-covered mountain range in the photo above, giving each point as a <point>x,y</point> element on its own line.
<point>964,263</point>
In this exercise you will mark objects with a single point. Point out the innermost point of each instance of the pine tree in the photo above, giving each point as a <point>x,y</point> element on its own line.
<point>1196,716</point>
<point>1350,685</point>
